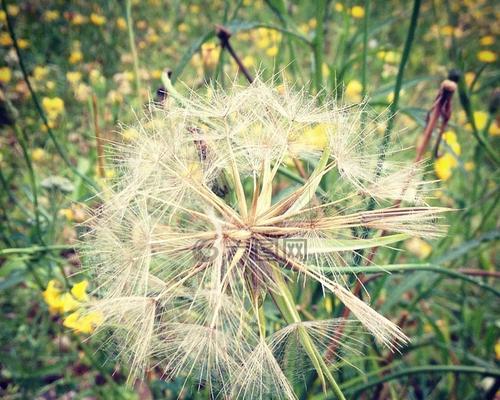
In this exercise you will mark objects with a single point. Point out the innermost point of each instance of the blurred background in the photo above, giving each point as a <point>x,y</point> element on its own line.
<point>73,73</point>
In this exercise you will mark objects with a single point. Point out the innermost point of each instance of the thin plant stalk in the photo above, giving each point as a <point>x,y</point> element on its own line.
<point>318,45</point>
<point>23,141</point>
<point>133,49</point>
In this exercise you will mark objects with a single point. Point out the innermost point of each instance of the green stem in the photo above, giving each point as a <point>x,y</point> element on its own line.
<point>60,150</point>
<point>35,249</point>
<point>365,49</point>
<point>402,268</point>
<point>288,308</point>
<point>23,141</point>
<point>131,39</point>
<point>397,90</point>
<point>427,369</point>
<point>318,45</point>
<point>466,105</point>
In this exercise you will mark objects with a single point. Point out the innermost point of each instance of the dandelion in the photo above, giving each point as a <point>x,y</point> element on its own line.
<point>192,240</point>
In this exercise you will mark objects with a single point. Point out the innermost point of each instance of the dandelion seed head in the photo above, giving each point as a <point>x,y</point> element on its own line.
<point>192,236</point>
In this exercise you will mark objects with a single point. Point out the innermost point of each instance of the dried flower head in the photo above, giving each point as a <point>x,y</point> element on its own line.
<point>204,226</point>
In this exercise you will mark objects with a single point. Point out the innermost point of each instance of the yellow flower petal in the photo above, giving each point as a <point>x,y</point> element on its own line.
<point>79,290</point>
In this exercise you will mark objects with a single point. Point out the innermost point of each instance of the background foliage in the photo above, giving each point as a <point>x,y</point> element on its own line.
<point>71,71</point>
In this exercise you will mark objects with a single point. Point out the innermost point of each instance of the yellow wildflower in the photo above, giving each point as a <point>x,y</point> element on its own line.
<point>353,90</point>
<point>82,92</point>
<point>74,77</point>
<point>210,54</point>
<point>447,30</point>
<point>487,40</point>
<point>109,173</point>
<point>23,43</point>
<point>51,15</point>
<point>39,73</point>
<point>486,56</point>
<point>79,290</point>
<point>358,12</point>
<point>130,134</point>
<point>497,349</point>
<point>141,24</point>
<point>75,57</point>
<point>419,247</point>
<point>121,23</point>
<point>79,19</point>
<point>13,10</point>
<point>303,28</point>
<point>5,74</point>
<point>156,73</point>
<point>183,27</point>
<point>68,303</point>
<point>469,166</point>
<point>52,296</point>
<point>97,19</point>
<point>450,138</point>
<point>3,16</point>
<point>272,51</point>
<point>53,106</point>
<point>390,57</point>
<point>67,213</point>
<point>50,85</point>
<point>248,61</point>
<point>339,7</point>
<point>194,8</point>
<point>494,129</point>
<point>312,23</point>
<point>469,78</point>
<point>5,39</point>
<point>85,323</point>
<point>38,154</point>
<point>444,165</point>
<point>315,138</point>
<point>325,70</point>
<point>480,120</point>
<point>152,37</point>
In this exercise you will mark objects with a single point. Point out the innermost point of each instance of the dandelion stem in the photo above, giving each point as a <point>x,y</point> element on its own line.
<point>284,301</point>
<point>60,150</point>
